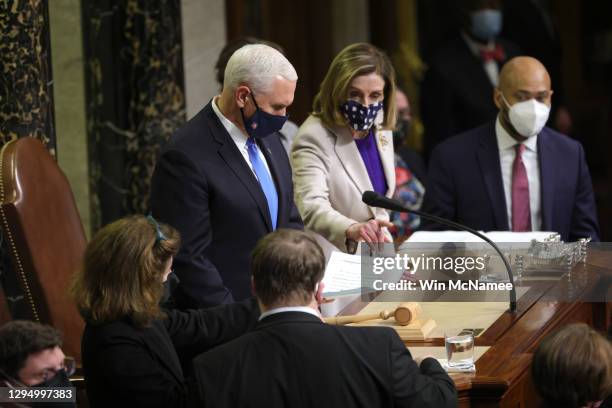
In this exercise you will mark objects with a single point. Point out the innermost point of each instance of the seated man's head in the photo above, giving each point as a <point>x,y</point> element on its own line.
<point>31,354</point>
<point>573,367</point>
<point>287,266</point>
<point>523,97</point>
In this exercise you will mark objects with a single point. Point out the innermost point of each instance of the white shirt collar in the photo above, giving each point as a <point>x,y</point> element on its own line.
<point>303,309</point>
<point>505,141</point>
<point>234,131</point>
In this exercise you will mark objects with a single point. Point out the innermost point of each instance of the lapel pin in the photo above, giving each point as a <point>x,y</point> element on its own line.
<point>383,140</point>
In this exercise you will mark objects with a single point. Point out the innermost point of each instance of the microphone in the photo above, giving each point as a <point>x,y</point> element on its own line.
<point>373,199</point>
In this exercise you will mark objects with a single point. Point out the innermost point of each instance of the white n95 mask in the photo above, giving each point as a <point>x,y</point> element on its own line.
<point>528,117</point>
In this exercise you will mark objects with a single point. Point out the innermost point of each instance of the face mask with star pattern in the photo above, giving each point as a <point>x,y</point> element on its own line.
<point>360,117</point>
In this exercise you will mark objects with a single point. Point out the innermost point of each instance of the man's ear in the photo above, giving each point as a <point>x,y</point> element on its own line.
<point>550,98</point>
<point>241,95</point>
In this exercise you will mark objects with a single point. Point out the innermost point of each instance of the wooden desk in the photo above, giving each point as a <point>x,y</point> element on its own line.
<point>502,376</point>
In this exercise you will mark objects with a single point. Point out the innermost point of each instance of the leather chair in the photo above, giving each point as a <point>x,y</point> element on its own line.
<point>5,316</point>
<point>44,235</point>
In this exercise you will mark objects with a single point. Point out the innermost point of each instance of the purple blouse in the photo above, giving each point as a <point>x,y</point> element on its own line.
<point>371,158</point>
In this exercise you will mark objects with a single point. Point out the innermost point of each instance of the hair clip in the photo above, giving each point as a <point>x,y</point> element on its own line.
<point>159,235</point>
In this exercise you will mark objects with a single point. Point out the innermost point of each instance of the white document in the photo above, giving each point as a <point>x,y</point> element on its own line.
<point>464,236</point>
<point>509,236</point>
<point>343,274</point>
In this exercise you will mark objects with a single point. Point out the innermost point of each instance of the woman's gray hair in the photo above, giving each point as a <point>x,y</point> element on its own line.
<point>257,65</point>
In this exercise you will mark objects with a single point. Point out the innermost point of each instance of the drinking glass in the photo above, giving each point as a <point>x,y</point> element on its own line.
<point>460,349</point>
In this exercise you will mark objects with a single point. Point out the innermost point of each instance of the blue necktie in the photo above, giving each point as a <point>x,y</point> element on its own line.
<point>265,180</point>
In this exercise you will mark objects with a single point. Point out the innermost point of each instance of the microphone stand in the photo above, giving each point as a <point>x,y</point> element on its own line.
<point>374,199</point>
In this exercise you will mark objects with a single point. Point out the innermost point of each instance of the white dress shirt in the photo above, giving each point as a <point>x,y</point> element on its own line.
<point>303,309</point>
<point>490,67</point>
<point>507,152</point>
<point>239,138</point>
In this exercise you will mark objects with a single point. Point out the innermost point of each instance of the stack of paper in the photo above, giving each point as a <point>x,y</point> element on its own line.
<point>343,274</point>
<point>464,236</point>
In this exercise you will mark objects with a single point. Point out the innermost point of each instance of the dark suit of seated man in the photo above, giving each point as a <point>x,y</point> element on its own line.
<point>514,174</point>
<point>224,179</point>
<point>293,359</point>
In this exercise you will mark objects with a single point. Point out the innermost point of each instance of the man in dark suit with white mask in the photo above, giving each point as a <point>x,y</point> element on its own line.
<point>514,173</point>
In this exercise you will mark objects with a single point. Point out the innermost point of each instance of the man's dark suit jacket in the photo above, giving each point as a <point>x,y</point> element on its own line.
<point>457,94</point>
<point>293,359</point>
<point>465,184</point>
<point>203,187</point>
<point>128,366</point>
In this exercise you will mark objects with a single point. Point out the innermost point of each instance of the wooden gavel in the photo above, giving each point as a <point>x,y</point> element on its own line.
<point>403,314</point>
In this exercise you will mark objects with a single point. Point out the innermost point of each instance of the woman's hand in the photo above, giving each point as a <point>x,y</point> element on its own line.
<point>371,231</point>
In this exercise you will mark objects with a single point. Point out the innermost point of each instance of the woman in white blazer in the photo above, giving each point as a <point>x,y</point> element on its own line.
<point>345,147</point>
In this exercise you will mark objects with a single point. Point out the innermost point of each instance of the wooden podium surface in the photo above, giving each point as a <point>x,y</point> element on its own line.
<point>502,377</point>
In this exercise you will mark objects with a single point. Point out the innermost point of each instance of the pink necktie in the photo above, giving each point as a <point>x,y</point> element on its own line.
<point>521,215</point>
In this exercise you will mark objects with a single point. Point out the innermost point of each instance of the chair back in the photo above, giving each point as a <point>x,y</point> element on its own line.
<point>44,234</point>
<point>5,315</point>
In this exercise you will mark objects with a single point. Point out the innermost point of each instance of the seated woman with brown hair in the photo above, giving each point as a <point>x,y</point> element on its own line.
<point>573,368</point>
<point>132,348</point>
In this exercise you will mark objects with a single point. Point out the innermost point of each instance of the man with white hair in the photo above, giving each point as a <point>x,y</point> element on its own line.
<point>224,179</point>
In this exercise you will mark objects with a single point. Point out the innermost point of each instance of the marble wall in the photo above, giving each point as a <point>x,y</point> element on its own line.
<point>69,100</point>
<point>135,98</point>
<point>26,86</point>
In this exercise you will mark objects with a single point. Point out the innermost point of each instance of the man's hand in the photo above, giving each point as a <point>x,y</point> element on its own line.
<point>419,360</point>
<point>319,295</point>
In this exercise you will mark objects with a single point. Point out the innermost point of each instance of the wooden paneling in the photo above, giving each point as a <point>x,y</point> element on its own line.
<point>303,29</point>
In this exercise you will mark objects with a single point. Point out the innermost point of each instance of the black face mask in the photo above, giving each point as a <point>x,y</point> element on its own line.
<point>60,379</point>
<point>261,123</point>
<point>401,132</point>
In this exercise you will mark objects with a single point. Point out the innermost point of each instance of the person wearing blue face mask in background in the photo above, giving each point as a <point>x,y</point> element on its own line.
<point>457,88</point>
<point>224,180</point>
<point>345,148</point>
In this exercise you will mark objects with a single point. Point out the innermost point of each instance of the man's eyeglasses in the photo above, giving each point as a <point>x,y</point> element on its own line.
<point>69,366</point>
